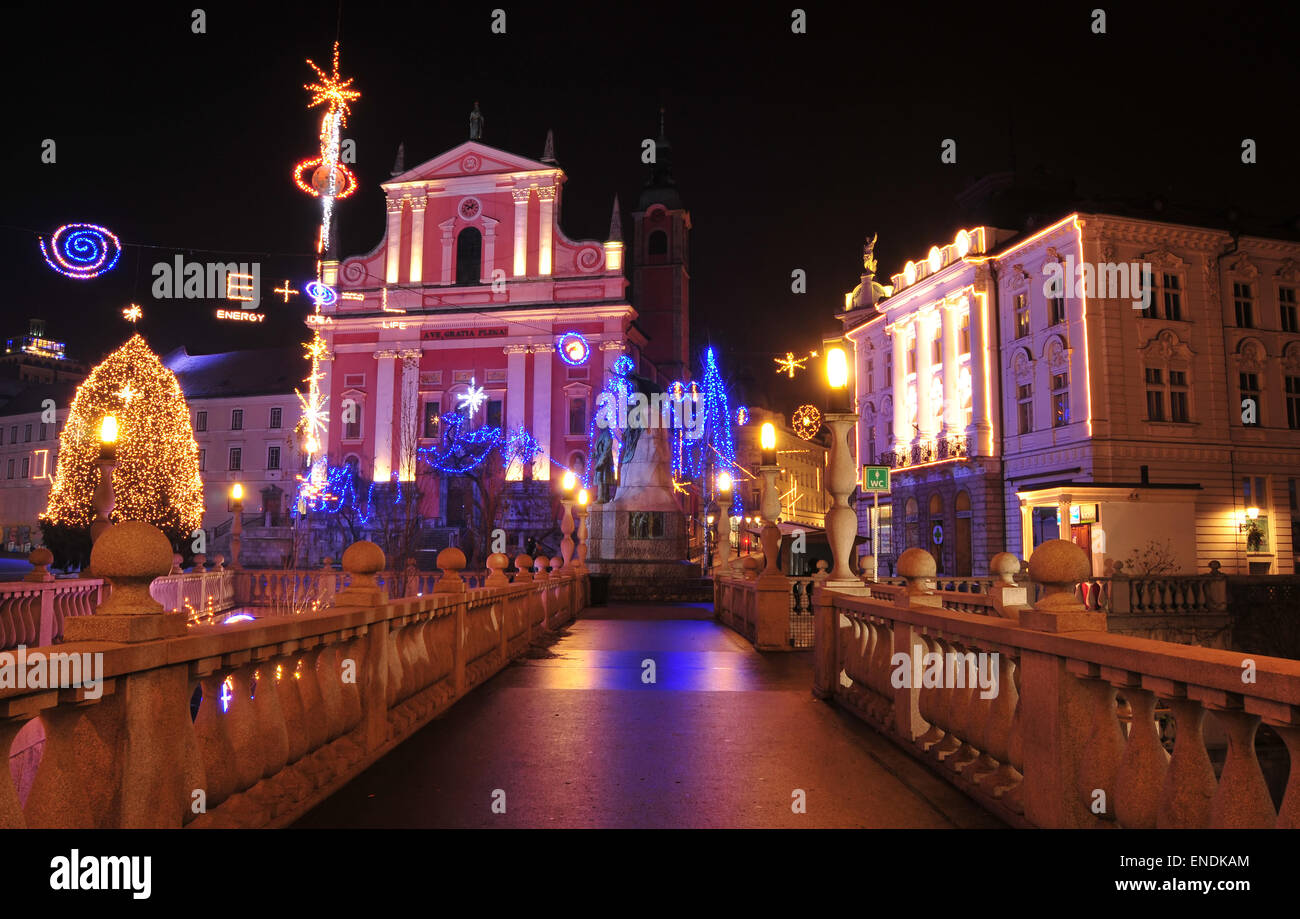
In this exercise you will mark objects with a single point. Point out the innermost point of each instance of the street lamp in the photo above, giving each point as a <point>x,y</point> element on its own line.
<point>841,471</point>
<point>583,500</point>
<point>724,519</point>
<point>771,506</point>
<point>237,528</point>
<point>567,483</point>
<point>103,499</point>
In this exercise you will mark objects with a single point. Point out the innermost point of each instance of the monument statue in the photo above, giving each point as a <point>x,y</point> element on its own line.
<point>648,388</point>
<point>602,466</point>
<point>869,256</point>
<point>476,124</point>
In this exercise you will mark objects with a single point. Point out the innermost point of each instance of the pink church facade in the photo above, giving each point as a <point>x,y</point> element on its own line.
<point>474,285</point>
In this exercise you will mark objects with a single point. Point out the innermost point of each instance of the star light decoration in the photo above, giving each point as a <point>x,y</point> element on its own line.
<point>789,364</point>
<point>472,399</point>
<point>132,313</point>
<point>806,421</point>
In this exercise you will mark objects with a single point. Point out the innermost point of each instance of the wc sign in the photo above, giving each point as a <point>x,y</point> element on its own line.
<point>875,478</point>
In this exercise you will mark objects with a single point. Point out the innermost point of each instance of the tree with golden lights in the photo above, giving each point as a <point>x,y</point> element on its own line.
<point>156,478</point>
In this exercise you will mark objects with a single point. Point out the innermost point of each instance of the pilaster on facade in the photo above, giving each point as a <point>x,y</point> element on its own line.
<point>542,367</point>
<point>926,422</point>
<point>410,417</point>
<point>520,196</point>
<point>394,239</point>
<point>384,391</point>
<point>447,274</point>
<point>899,332</point>
<point>418,203</point>
<point>516,381</point>
<point>546,195</point>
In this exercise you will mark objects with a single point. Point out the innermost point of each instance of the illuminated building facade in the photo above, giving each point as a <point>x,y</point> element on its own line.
<point>476,286</point>
<point>35,358</point>
<point>1012,409</point>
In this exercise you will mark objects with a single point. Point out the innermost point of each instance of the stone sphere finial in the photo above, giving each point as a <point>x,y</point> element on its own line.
<point>823,570</point>
<point>917,567</point>
<point>363,560</point>
<point>451,562</point>
<point>41,560</point>
<point>557,565</point>
<point>524,563</point>
<point>129,555</point>
<point>1059,565</point>
<point>218,562</point>
<point>200,562</point>
<point>751,564</point>
<point>497,564</point>
<point>1004,566</point>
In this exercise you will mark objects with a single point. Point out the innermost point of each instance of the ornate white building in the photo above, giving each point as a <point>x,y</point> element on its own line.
<point>1012,410</point>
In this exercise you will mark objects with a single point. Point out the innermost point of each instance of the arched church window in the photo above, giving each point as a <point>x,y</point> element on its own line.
<point>657,244</point>
<point>469,256</point>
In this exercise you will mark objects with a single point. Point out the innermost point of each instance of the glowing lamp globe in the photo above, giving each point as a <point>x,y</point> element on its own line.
<point>583,497</point>
<point>724,482</point>
<point>237,492</point>
<point>568,481</point>
<point>837,368</point>
<point>768,436</point>
<point>108,430</point>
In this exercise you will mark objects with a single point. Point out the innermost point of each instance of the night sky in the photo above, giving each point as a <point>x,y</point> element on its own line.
<point>787,148</point>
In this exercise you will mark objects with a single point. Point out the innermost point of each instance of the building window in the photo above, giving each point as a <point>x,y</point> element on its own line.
<point>871,445</point>
<point>236,459</point>
<point>13,434</point>
<point>1025,408</point>
<point>963,335</point>
<point>1022,315</point>
<point>27,465</point>
<point>494,413</point>
<point>1060,399</point>
<point>1173,296</point>
<point>11,469</point>
<point>237,419</point>
<point>1155,395</point>
<point>44,432</point>
<point>911,355</point>
<point>272,457</point>
<point>432,419</point>
<point>27,433</point>
<point>1293,403</point>
<point>201,422</point>
<point>1244,302</point>
<point>2,435</point>
<point>1056,310</point>
<point>657,244</point>
<point>1286,305</point>
<point>1178,396</point>
<point>889,368</point>
<point>277,415</point>
<point>203,460</point>
<point>871,375</point>
<point>1250,390</point>
<point>577,416</point>
<point>936,350</point>
<point>469,256</point>
<point>352,420</point>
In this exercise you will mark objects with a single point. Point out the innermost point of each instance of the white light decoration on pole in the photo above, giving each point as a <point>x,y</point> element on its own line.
<point>770,535</point>
<point>724,483</point>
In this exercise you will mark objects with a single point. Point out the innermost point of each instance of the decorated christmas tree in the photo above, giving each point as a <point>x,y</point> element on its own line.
<point>156,478</point>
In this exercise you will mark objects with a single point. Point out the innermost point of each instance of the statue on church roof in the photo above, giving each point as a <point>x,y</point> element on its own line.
<point>869,256</point>
<point>476,124</point>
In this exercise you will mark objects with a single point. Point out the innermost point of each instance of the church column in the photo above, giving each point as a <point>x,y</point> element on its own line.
<point>612,351</point>
<point>489,249</point>
<point>521,231</point>
<point>383,464</point>
<point>978,435</point>
<point>394,239</point>
<point>925,373</point>
<point>410,419</point>
<point>417,238</point>
<point>953,417</point>
<point>542,361</point>
<point>902,434</point>
<point>547,197</point>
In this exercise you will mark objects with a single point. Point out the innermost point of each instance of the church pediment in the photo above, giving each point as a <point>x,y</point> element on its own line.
<point>469,159</point>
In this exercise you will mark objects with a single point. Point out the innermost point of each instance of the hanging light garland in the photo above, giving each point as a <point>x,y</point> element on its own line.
<point>82,250</point>
<point>806,421</point>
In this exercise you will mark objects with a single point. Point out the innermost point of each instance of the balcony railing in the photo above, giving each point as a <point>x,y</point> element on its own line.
<point>937,450</point>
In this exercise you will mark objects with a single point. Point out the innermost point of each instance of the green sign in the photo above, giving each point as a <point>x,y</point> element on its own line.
<point>875,478</point>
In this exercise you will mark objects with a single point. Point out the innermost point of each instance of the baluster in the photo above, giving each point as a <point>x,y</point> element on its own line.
<point>1142,768</point>
<point>1189,784</point>
<point>11,811</point>
<point>946,703</point>
<point>963,698</point>
<point>329,674</point>
<point>928,700</point>
<point>395,664</point>
<point>291,707</point>
<point>1242,800</point>
<point>216,751</point>
<point>1100,756</point>
<point>881,653</point>
<point>272,734</point>
<point>1013,792</point>
<point>995,737</point>
<point>243,730</point>
<point>312,705</point>
<point>1288,816</point>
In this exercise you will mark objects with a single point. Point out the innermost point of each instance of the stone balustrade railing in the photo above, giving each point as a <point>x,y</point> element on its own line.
<point>1047,718</point>
<point>760,607</point>
<point>300,589</point>
<point>253,723</point>
<point>195,592</point>
<point>32,613</point>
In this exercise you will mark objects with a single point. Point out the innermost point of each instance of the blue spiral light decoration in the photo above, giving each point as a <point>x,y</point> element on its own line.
<point>82,250</point>
<point>321,294</point>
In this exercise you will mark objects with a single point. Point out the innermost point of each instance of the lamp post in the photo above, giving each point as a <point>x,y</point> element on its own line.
<point>771,507</point>
<point>841,471</point>
<point>102,499</point>
<point>583,500</point>
<point>724,520</point>
<point>237,528</point>
<point>567,483</point>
